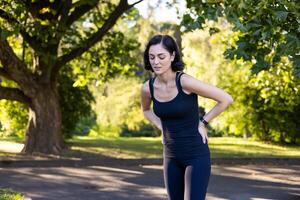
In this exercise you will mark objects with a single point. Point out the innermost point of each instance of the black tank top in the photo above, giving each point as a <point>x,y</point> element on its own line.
<point>180,120</point>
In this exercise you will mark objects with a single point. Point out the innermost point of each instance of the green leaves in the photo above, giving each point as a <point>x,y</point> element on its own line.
<point>5,33</point>
<point>281,15</point>
<point>191,23</point>
<point>296,62</point>
<point>267,100</point>
<point>272,25</point>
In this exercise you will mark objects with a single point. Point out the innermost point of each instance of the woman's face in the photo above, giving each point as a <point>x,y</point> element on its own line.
<point>160,59</point>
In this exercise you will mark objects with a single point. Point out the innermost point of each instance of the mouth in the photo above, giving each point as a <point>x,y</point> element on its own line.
<point>156,68</point>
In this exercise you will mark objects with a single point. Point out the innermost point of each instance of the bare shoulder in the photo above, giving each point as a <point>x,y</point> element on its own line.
<point>191,84</point>
<point>194,85</point>
<point>188,80</point>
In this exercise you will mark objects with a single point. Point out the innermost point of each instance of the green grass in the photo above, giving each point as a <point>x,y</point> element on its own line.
<point>149,147</point>
<point>11,139</point>
<point>8,194</point>
<point>145,147</point>
<point>119,147</point>
<point>239,147</point>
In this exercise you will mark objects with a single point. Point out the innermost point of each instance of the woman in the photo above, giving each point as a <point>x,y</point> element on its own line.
<point>175,112</point>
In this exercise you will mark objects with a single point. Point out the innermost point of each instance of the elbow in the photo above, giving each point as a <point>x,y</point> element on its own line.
<point>226,101</point>
<point>146,113</point>
<point>229,100</point>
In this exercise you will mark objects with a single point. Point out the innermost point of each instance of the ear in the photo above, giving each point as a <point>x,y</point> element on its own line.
<point>173,56</point>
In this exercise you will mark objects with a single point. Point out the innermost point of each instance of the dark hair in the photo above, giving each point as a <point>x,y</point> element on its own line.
<point>170,45</point>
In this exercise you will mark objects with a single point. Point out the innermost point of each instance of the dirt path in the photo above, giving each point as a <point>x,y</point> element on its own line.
<point>143,180</point>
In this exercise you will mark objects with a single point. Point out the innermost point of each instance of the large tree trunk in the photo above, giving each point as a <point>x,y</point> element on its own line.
<point>43,132</point>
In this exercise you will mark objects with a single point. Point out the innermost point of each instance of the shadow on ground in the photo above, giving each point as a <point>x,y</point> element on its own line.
<point>90,176</point>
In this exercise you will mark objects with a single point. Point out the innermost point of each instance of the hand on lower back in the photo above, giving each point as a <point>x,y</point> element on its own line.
<point>203,132</point>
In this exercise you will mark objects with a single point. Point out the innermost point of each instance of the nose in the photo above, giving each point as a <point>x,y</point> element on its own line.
<point>156,60</point>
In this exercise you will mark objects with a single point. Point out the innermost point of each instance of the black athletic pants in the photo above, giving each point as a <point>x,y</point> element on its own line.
<point>187,179</point>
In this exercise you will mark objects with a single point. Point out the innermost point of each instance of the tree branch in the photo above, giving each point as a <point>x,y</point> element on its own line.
<point>96,37</point>
<point>4,74</point>
<point>31,8</point>
<point>16,69</point>
<point>33,42</point>
<point>66,6</point>
<point>79,11</point>
<point>131,5</point>
<point>13,94</point>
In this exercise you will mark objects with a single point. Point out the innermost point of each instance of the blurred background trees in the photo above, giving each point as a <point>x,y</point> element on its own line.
<point>254,57</point>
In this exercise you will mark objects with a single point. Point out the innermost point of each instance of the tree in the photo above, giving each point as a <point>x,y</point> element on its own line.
<point>53,33</point>
<point>269,29</point>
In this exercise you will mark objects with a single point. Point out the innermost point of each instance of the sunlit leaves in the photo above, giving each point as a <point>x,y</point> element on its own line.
<point>75,101</point>
<point>266,103</point>
<point>106,59</point>
<point>265,24</point>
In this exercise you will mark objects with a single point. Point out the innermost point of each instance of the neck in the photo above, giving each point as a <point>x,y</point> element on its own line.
<point>167,77</point>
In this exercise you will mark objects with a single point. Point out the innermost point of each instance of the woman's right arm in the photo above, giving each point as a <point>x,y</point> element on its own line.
<point>146,106</point>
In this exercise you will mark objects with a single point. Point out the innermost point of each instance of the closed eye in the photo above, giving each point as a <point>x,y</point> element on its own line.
<point>161,57</point>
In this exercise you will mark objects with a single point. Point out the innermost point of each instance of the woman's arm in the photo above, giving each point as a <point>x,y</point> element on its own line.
<point>193,85</point>
<point>146,106</point>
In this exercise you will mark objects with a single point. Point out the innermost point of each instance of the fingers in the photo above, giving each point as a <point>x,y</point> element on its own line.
<point>204,136</point>
<point>203,139</point>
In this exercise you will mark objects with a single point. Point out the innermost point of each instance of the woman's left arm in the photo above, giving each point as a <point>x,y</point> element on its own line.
<point>193,85</point>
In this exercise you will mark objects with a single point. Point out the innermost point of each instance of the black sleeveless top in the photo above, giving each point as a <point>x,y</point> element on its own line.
<point>180,120</point>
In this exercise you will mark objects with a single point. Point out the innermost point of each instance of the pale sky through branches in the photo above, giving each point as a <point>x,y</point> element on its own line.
<point>162,12</point>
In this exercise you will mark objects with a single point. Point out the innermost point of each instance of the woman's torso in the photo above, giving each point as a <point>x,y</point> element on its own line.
<point>180,120</point>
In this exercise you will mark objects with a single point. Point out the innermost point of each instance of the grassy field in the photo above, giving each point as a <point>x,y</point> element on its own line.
<point>152,148</point>
<point>148,147</point>
<point>8,194</point>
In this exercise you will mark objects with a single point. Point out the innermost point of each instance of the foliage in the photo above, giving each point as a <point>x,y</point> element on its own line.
<point>54,33</point>
<point>269,30</point>
<point>13,114</point>
<point>75,104</point>
<point>107,58</point>
<point>274,98</point>
<point>118,108</point>
<point>8,194</point>
<point>265,105</point>
<point>14,117</point>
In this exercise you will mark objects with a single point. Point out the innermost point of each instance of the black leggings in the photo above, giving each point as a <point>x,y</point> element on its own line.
<point>187,179</point>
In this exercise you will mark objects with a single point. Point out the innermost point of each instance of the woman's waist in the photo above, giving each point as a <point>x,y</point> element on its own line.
<point>194,138</point>
<point>185,147</point>
<point>181,134</point>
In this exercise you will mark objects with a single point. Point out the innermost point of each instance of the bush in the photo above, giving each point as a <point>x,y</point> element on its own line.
<point>144,129</point>
<point>104,131</point>
<point>14,117</point>
<point>75,102</point>
<point>8,194</point>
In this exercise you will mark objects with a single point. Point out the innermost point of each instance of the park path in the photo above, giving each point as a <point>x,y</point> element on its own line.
<point>120,180</point>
